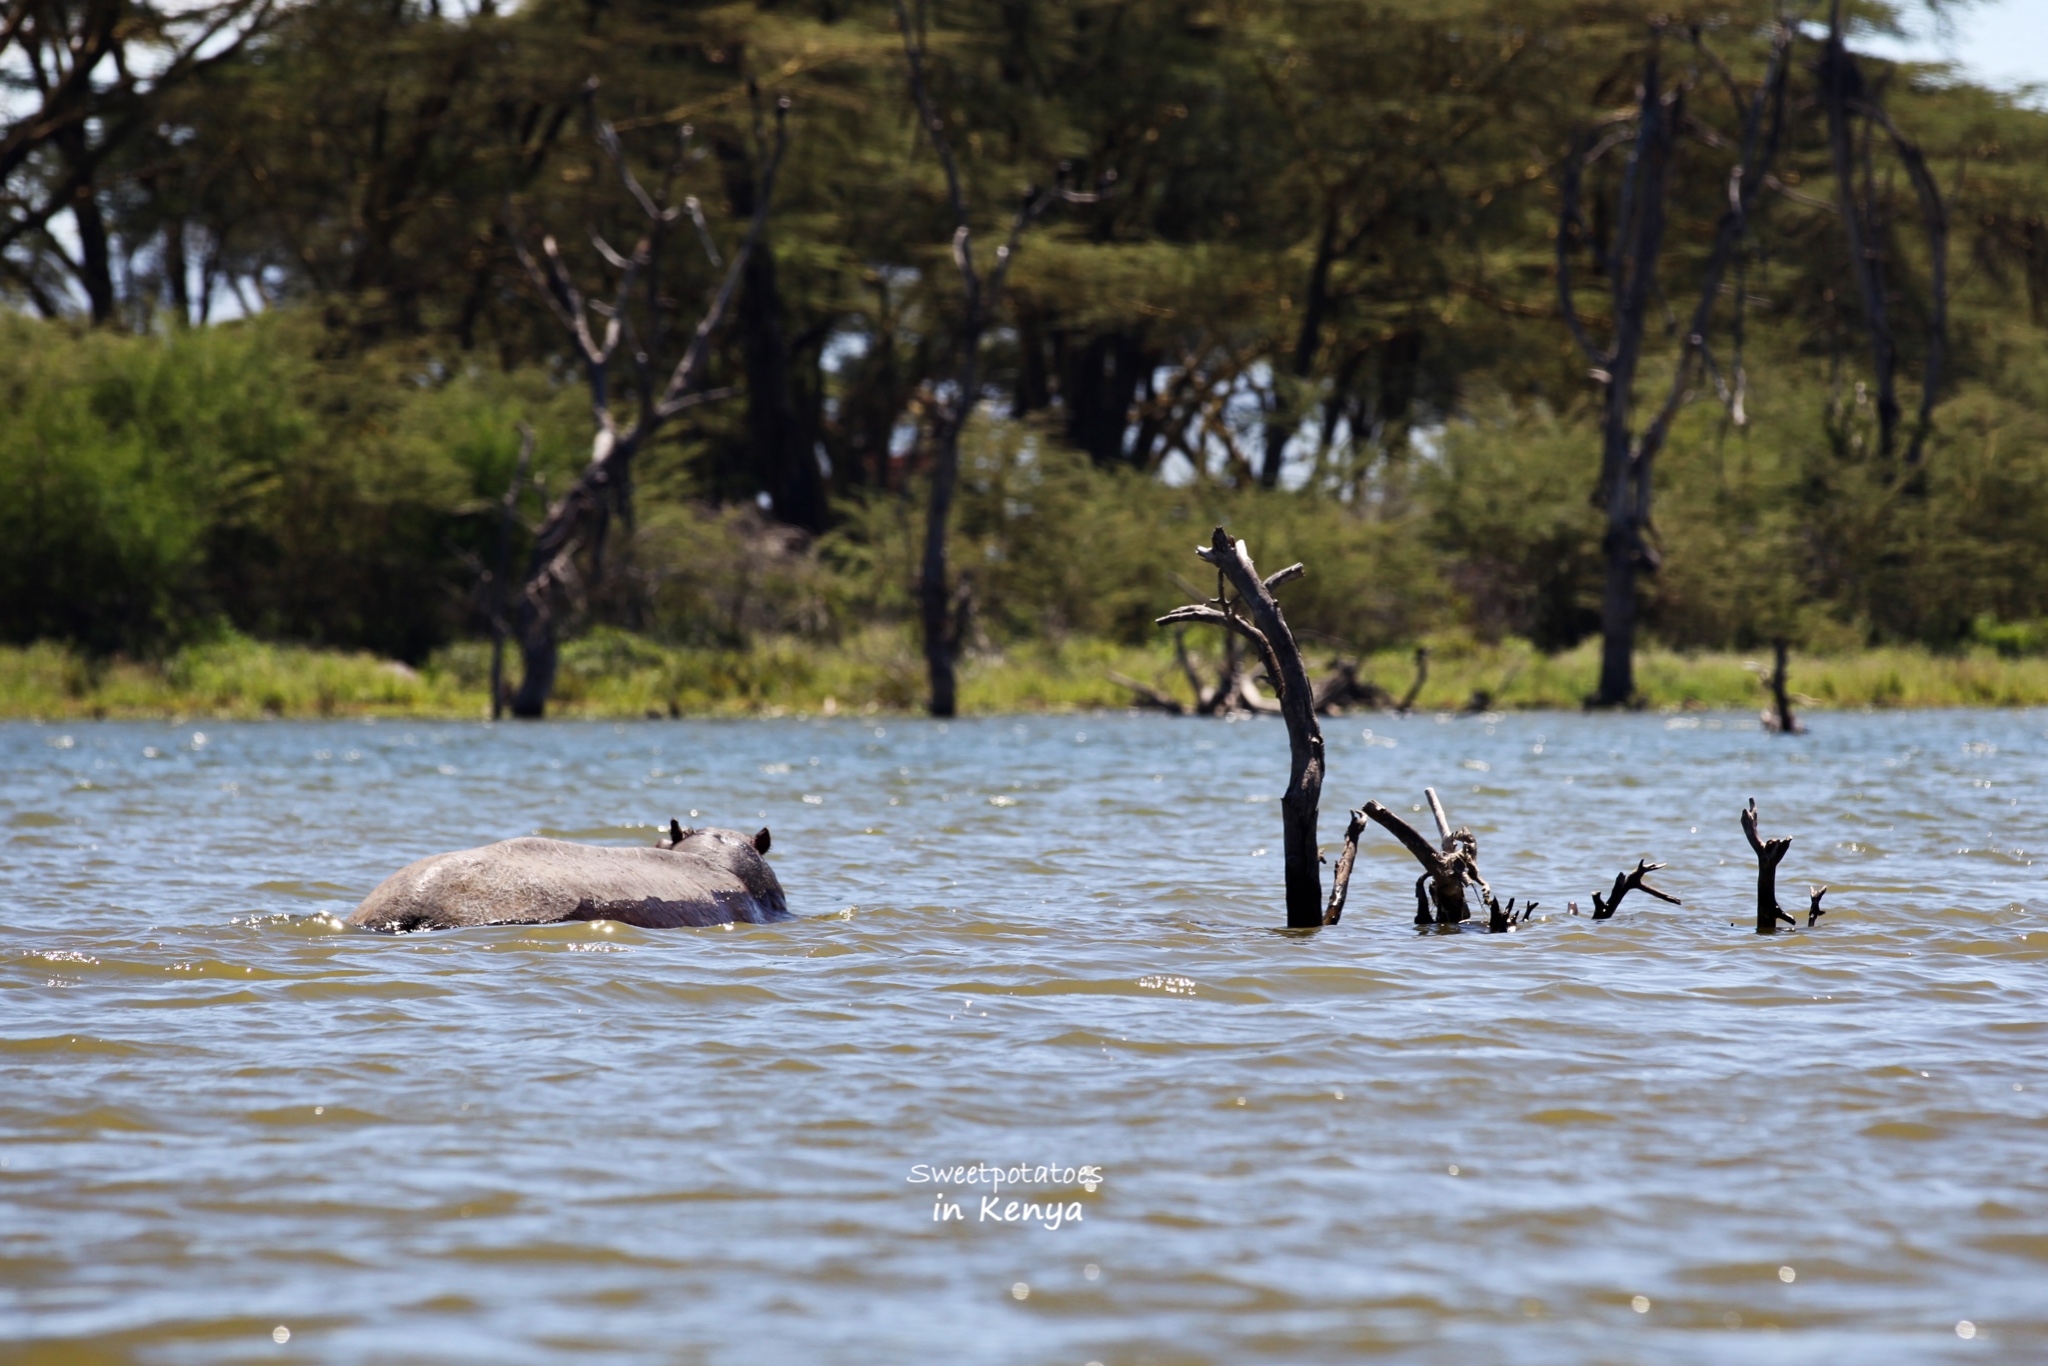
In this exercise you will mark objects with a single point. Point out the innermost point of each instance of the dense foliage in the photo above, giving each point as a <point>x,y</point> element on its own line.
<point>288,336</point>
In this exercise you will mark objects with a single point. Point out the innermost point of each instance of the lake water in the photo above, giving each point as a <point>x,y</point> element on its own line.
<point>232,1131</point>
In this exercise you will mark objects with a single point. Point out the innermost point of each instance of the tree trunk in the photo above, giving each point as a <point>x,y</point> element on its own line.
<point>1315,305</point>
<point>177,270</point>
<point>1099,385</point>
<point>1256,615</point>
<point>95,253</point>
<point>1618,607</point>
<point>935,597</point>
<point>1842,81</point>
<point>1624,480</point>
<point>784,456</point>
<point>539,657</point>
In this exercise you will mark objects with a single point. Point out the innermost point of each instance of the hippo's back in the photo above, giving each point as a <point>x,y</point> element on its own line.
<point>534,881</point>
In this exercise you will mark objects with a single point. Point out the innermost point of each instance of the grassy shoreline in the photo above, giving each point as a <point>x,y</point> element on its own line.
<point>613,675</point>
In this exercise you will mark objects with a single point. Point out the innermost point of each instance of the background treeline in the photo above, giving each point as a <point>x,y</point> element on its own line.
<point>1316,298</point>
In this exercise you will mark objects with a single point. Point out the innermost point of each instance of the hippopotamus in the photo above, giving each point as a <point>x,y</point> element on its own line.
<point>693,877</point>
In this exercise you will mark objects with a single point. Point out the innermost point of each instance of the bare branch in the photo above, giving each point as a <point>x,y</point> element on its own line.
<point>1624,883</point>
<point>1340,885</point>
<point>689,370</point>
<point>1769,854</point>
<point>1287,575</point>
<point>1570,227</point>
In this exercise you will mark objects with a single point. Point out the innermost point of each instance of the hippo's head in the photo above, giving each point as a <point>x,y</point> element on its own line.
<point>729,849</point>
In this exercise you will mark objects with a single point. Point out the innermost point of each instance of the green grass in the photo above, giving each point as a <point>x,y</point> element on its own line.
<point>612,674</point>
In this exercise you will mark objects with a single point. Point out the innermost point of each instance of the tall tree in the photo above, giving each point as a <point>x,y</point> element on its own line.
<point>1637,221</point>
<point>78,80</point>
<point>1848,96</point>
<point>942,611</point>
<point>637,326</point>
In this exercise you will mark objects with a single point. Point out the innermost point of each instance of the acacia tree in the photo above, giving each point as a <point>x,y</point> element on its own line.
<point>581,517</point>
<point>78,80</point>
<point>1637,221</point>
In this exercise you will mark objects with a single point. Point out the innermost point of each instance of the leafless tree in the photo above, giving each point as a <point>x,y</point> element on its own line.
<point>1244,604</point>
<point>942,606</point>
<point>1627,461</point>
<point>633,332</point>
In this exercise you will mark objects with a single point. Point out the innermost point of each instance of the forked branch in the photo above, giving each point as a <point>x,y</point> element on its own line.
<point>1245,604</point>
<point>1769,854</point>
<point>1624,883</point>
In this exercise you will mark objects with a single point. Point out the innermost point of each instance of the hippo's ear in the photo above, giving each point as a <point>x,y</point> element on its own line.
<point>761,841</point>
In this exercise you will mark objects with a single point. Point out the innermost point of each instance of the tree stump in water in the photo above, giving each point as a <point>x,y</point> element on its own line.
<point>1440,891</point>
<point>1255,614</point>
<point>1769,854</point>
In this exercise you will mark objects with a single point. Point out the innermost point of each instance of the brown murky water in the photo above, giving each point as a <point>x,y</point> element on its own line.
<point>231,1131</point>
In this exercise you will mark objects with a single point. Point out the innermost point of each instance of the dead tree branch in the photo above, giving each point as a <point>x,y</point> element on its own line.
<point>1340,884</point>
<point>1624,883</point>
<point>1145,695</point>
<point>1446,871</point>
<point>1255,614</point>
<point>1769,854</point>
<point>1501,919</point>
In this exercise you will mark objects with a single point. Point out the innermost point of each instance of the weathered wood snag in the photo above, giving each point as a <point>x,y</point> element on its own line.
<point>1769,854</point>
<point>1445,871</point>
<point>1340,885</point>
<point>1500,919</point>
<point>1813,910</point>
<point>1255,614</point>
<point>1624,883</point>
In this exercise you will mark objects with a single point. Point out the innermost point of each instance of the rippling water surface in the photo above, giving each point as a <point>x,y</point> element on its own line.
<point>225,1120</point>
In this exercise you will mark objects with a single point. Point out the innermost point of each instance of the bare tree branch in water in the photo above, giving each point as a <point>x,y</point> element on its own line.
<point>1255,614</point>
<point>1769,854</point>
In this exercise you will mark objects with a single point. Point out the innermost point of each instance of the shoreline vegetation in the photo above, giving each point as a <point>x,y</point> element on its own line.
<point>614,675</point>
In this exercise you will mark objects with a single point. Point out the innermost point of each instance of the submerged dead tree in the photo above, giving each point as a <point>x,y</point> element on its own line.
<point>1244,604</point>
<point>1769,854</point>
<point>634,331</point>
<point>1778,718</point>
<point>1447,868</point>
<point>1624,883</point>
